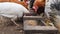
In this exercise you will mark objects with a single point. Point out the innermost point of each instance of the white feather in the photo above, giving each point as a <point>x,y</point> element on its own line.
<point>11,10</point>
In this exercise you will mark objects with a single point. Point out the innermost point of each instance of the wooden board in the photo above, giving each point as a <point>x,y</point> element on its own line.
<point>32,17</point>
<point>40,29</point>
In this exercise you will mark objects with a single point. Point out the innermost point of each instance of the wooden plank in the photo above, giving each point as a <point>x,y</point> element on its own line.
<point>40,29</point>
<point>32,17</point>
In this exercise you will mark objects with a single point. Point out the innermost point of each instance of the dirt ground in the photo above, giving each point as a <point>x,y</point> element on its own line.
<point>5,28</point>
<point>10,30</point>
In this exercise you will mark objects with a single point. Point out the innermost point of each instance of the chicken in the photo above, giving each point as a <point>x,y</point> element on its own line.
<point>39,3</point>
<point>12,10</point>
<point>57,22</point>
<point>39,6</point>
<point>23,3</point>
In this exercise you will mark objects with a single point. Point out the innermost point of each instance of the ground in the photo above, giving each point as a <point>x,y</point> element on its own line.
<point>8,27</point>
<point>10,30</point>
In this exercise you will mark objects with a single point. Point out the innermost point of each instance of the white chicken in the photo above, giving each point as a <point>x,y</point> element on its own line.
<point>12,10</point>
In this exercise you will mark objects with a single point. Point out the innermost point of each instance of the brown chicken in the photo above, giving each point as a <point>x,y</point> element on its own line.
<point>40,3</point>
<point>17,1</point>
<point>38,6</point>
<point>24,4</point>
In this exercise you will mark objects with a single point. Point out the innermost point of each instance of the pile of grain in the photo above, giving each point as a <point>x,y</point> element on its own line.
<point>30,22</point>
